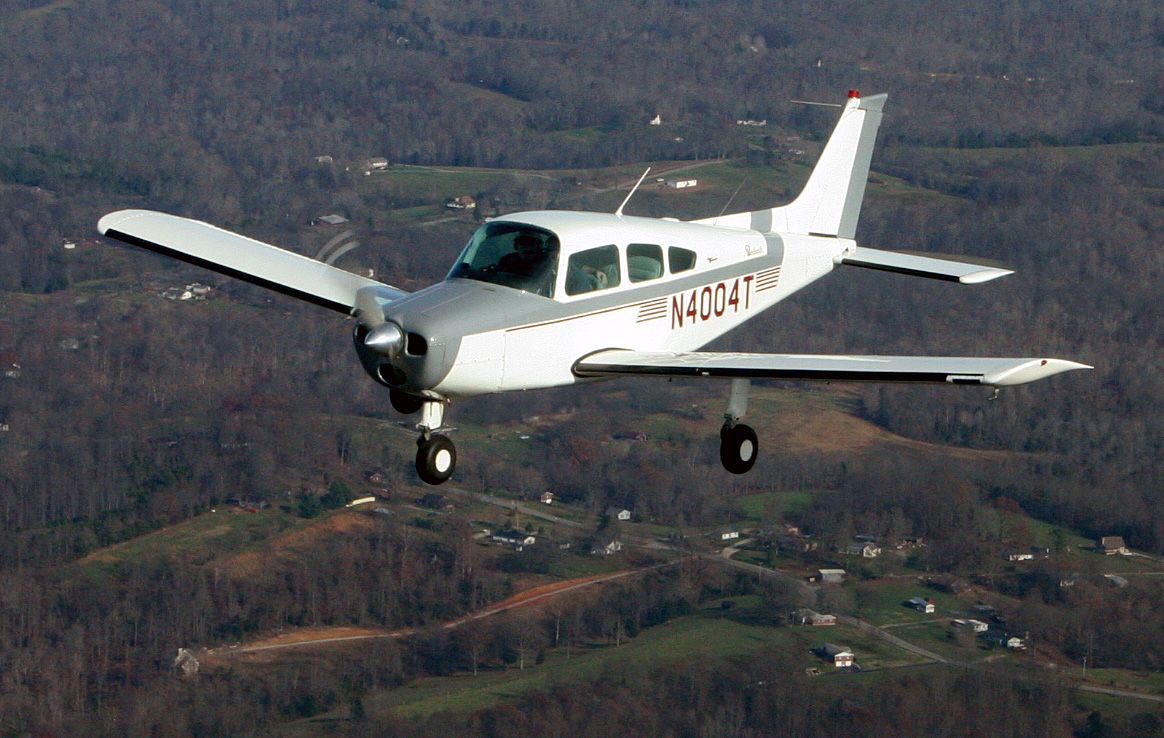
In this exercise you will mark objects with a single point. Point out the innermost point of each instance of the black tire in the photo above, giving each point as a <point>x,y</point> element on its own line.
<point>404,403</point>
<point>436,458</point>
<point>738,448</point>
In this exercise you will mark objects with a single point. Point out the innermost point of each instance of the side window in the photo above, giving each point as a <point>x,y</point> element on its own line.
<point>592,269</point>
<point>680,260</point>
<point>644,261</point>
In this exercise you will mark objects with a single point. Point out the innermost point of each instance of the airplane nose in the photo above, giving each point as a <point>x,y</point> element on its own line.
<point>386,339</point>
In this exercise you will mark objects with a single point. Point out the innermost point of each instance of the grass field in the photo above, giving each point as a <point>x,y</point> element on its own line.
<point>201,538</point>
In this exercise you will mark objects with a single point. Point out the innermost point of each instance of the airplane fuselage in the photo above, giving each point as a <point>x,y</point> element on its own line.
<point>471,337</point>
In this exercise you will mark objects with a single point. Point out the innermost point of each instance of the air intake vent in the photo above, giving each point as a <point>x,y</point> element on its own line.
<point>416,346</point>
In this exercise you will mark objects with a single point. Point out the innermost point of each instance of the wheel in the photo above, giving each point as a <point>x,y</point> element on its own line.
<point>738,448</point>
<point>436,458</point>
<point>404,403</point>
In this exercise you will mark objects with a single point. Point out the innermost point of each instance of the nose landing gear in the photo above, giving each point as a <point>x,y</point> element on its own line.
<point>436,456</point>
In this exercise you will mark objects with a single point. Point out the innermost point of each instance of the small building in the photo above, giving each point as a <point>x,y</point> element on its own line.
<point>514,537</point>
<point>921,604</point>
<point>728,533</point>
<point>618,513</point>
<point>376,164</point>
<point>682,184</point>
<point>547,498</point>
<point>333,219</point>
<point>1020,557</point>
<point>841,656</point>
<point>1113,546</point>
<point>656,121</point>
<point>606,547</point>
<point>975,626</point>
<point>831,576</point>
<point>463,202</point>
<point>864,550</point>
<point>804,616</point>
<point>1015,643</point>
<point>325,159</point>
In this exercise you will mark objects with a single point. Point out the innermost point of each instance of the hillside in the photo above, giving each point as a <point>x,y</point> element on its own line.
<point>132,425</point>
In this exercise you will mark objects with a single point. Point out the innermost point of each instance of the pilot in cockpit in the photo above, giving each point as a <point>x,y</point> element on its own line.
<point>531,261</point>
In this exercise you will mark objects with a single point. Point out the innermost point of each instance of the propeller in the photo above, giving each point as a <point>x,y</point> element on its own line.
<point>383,337</point>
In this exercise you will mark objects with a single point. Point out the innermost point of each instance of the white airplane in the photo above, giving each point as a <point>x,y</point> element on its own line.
<point>550,298</point>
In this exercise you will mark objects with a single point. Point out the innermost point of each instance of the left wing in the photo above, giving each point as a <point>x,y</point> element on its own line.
<point>996,372</point>
<point>244,258</point>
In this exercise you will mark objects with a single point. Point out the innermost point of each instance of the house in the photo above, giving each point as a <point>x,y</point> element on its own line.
<point>464,202</point>
<point>514,537</point>
<point>618,513</point>
<point>831,576</point>
<point>977,626</point>
<point>324,159</point>
<point>910,542</point>
<point>804,616</point>
<point>1015,643</point>
<point>548,498</point>
<point>606,547</point>
<point>1113,546</point>
<point>728,533</point>
<point>842,656</point>
<point>865,550</point>
<point>657,120</point>
<point>920,604</point>
<point>376,164</point>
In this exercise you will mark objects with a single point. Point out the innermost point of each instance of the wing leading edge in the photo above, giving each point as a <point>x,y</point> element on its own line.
<point>995,372</point>
<point>228,253</point>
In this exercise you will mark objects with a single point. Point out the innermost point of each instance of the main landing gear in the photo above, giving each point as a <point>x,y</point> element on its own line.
<point>738,445</point>
<point>436,456</point>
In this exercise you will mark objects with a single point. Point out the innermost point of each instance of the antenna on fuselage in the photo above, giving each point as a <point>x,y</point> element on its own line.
<point>632,192</point>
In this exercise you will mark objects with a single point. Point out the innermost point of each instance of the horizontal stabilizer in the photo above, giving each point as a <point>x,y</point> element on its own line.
<point>228,253</point>
<point>922,266</point>
<point>996,372</point>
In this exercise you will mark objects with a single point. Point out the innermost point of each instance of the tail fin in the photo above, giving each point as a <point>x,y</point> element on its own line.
<point>830,203</point>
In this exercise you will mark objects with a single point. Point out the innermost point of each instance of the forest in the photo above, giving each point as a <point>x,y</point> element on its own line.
<point>1029,135</point>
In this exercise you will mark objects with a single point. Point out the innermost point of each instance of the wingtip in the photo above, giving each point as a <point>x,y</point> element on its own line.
<point>1032,371</point>
<point>110,221</point>
<point>985,274</point>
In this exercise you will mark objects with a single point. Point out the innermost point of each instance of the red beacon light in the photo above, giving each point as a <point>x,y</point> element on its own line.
<point>854,93</point>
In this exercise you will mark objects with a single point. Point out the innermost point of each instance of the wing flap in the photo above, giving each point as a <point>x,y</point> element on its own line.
<point>244,258</point>
<point>997,372</point>
<point>922,266</point>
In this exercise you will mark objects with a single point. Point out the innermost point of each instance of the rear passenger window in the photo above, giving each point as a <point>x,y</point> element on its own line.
<point>644,261</point>
<point>592,269</point>
<point>680,260</point>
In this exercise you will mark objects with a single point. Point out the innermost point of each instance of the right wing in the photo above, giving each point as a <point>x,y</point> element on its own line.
<point>996,372</point>
<point>244,258</point>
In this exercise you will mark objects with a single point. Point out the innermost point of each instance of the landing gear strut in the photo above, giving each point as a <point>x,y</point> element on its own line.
<point>738,445</point>
<point>436,456</point>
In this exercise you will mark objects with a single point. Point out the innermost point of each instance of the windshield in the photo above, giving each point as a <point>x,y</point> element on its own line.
<point>512,254</point>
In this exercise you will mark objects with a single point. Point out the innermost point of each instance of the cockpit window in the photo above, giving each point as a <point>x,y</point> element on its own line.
<point>592,269</point>
<point>511,254</point>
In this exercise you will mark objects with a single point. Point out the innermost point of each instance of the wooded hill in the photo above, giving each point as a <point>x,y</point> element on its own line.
<point>1023,133</point>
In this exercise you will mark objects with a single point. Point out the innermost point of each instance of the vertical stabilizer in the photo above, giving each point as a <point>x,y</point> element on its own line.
<point>830,203</point>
